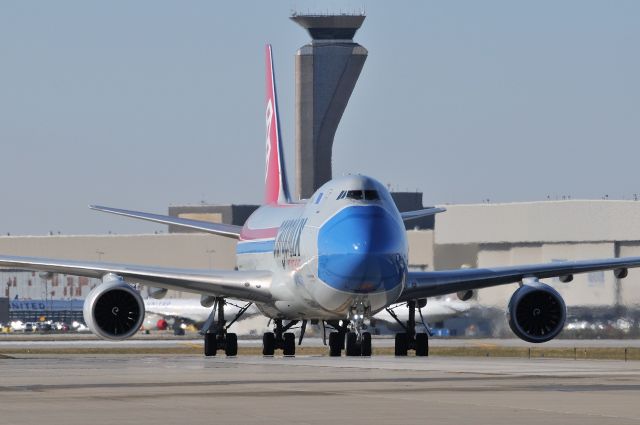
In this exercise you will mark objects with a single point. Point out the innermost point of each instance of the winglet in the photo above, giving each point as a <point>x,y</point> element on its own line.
<point>410,215</point>
<point>276,187</point>
<point>227,230</point>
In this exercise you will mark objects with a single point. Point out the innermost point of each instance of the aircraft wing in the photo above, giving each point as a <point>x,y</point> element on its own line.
<point>410,215</point>
<point>430,284</point>
<point>245,285</point>
<point>228,230</point>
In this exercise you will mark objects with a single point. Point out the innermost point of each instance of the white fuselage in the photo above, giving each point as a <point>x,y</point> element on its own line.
<point>343,249</point>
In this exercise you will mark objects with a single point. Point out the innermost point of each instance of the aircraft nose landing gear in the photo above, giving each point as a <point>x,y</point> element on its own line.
<point>358,341</point>
<point>358,346</point>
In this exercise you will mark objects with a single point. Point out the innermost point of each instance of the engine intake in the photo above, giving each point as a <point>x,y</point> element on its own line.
<point>114,310</point>
<point>536,312</point>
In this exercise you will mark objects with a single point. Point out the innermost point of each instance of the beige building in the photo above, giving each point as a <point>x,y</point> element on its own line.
<point>193,250</point>
<point>480,235</point>
<point>485,235</point>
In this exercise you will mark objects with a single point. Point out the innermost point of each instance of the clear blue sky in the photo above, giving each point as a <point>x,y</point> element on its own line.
<point>149,103</point>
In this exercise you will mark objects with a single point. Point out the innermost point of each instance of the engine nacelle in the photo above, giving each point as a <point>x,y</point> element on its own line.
<point>621,273</point>
<point>113,309</point>
<point>466,295</point>
<point>157,293</point>
<point>536,312</point>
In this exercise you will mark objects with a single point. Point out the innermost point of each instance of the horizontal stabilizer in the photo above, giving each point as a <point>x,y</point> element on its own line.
<point>220,229</point>
<point>410,215</point>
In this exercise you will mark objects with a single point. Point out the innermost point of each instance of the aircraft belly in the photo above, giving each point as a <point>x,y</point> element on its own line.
<point>338,302</point>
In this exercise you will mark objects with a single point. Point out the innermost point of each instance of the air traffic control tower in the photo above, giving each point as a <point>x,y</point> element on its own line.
<point>326,73</point>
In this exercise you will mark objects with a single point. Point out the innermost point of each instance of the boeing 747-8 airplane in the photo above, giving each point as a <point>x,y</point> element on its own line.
<point>338,258</point>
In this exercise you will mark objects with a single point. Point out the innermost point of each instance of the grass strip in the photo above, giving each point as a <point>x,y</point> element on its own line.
<point>599,353</point>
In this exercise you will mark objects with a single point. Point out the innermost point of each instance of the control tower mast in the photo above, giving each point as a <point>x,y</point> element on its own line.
<point>326,73</point>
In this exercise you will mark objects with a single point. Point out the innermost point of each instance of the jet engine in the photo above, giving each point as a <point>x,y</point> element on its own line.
<point>536,312</point>
<point>114,310</point>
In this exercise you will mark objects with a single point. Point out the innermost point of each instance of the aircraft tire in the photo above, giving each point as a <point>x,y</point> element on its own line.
<point>231,348</point>
<point>289,346</point>
<point>422,345</point>
<point>335,345</point>
<point>402,344</point>
<point>366,345</point>
<point>353,348</point>
<point>268,344</point>
<point>210,344</point>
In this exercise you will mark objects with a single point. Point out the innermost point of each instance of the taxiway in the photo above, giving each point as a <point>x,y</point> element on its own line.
<point>316,390</point>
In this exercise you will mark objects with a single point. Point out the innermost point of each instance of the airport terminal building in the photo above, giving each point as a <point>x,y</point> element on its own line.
<point>475,235</point>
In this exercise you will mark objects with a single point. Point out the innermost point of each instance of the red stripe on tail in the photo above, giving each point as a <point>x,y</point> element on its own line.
<point>276,190</point>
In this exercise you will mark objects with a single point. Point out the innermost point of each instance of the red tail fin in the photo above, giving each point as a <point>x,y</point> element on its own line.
<point>276,189</point>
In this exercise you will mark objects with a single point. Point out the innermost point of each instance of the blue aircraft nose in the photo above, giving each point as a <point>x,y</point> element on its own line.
<point>362,249</point>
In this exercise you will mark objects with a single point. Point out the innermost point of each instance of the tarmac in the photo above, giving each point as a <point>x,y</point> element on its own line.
<point>166,340</point>
<point>167,389</point>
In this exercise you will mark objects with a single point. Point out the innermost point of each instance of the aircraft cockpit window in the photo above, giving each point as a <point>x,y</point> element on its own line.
<point>354,194</point>
<point>371,195</point>
<point>359,195</point>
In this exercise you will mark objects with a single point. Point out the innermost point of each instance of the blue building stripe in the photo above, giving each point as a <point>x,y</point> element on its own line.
<point>255,247</point>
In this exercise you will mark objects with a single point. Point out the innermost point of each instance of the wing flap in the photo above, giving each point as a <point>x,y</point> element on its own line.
<point>220,229</point>
<point>431,284</point>
<point>246,285</point>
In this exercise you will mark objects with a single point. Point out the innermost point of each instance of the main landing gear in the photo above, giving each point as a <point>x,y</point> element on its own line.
<point>216,336</point>
<point>410,340</point>
<point>281,339</point>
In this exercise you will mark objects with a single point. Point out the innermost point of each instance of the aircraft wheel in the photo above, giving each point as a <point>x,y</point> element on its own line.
<point>268,344</point>
<point>353,348</point>
<point>422,345</point>
<point>335,344</point>
<point>210,344</point>
<point>289,348</point>
<point>402,344</point>
<point>231,348</point>
<point>366,345</point>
